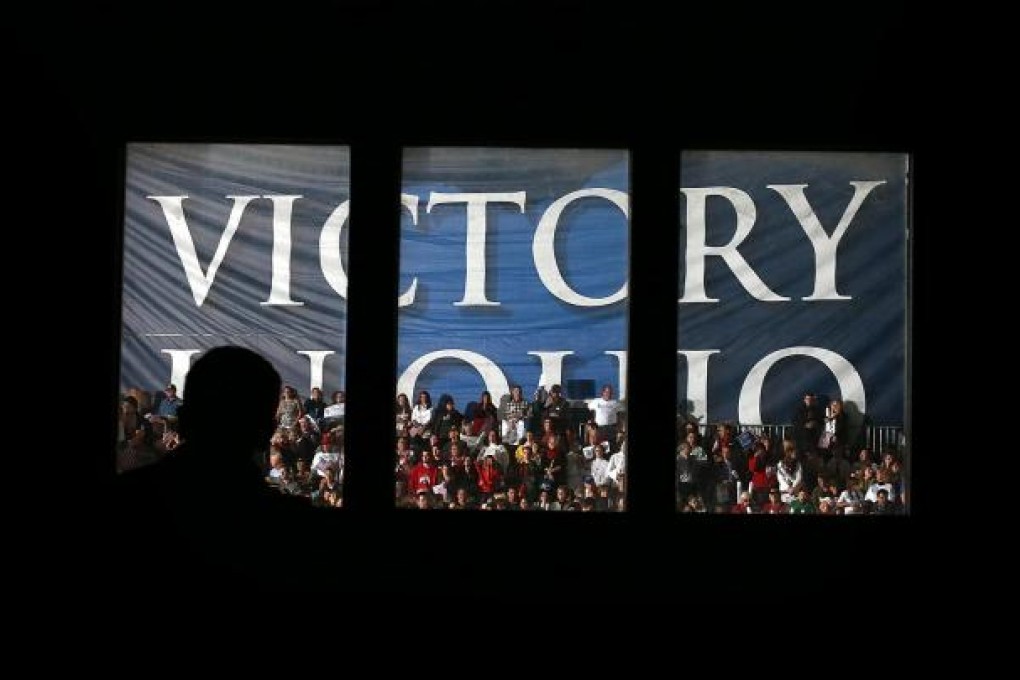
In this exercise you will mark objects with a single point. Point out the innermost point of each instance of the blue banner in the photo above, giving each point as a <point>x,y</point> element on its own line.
<point>513,270</point>
<point>793,278</point>
<point>235,244</point>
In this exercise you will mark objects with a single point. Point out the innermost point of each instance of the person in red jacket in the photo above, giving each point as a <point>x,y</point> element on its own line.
<point>758,466</point>
<point>424,475</point>
<point>490,479</point>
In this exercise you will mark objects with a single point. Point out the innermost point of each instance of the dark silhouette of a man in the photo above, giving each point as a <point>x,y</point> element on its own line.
<point>205,512</point>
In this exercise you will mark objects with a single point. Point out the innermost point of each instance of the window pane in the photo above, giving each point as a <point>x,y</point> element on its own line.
<point>792,332</point>
<point>236,245</point>
<point>513,273</point>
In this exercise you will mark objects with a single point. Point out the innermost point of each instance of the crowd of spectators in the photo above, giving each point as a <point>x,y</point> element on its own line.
<point>819,468</point>
<point>305,456</point>
<point>519,454</point>
<point>510,454</point>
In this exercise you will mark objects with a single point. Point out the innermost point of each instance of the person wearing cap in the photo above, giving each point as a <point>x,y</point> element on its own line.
<point>171,402</point>
<point>557,409</point>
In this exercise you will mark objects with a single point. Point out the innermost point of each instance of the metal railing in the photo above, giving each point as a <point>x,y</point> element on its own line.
<point>875,437</point>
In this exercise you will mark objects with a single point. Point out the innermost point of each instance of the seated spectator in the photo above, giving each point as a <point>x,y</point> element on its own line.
<point>335,413</point>
<point>695,504</point>
<point>315,407</point>
<point>851,500</point>
<point>421,416</point>
<point>882,504</point>
<point>496,449</point>
<point>789,474</point>
<point>775,505</point>
<point>743,506</point>
<point>135,439</point>
<point>447,417</point>
<point>484,416</point>
<point>881,483</point>
<point>802,504</point>
<point>327,456</point>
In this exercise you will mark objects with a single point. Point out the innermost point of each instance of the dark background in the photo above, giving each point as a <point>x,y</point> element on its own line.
<point>381,75</point>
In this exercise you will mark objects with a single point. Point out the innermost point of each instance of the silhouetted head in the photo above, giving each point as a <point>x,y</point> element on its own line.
<point>232,396</point>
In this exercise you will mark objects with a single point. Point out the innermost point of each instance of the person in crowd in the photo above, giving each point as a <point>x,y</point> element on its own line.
<point>554,458</point>
<point>802,505</point>
<point>467,477</point>
<point>617,468</point>
<point>513,498</point>
<point>600,466</point>
<point>402,472</point>
<point>334,414</point>
<point>526,470</point>
<point>303,476</point>
<point>446,417</point>
<point>307,441</point>
<point>453,446</point>
<point>851,499</point>
<point>514,411</point>
<point>883,505</point>
<point>424,500</point>
<point>577,464</point>
<point>330,482</point>
<point>166,410</point>
<point>837,468</point>
<point>289,409</point>
<point>695,504</point>
<point>496,449</point>
<point>170,403</point>
<point>606,411</point>
<point>825,489</point>
<point>288,483</point>
<point>789,473</point>
<point>557,410</point>
<point>775,504</point>
<point>315,406</point>
<point>135,438</point>
<point>564,497</point>
<point>421,416</point>
<point>402,412</point>
<point>761,480</point>
<point>424,475</point>
<point>490,479</point>
<point>743,505</point>
<point>881,483</point>
<point>484,416</point>
<point>327,455</point>
<point>836,430</point>
<point>864,461</point>
<point>728,478</point>
<point>808,424</point>
<point>684,472</point>
<point>462,500</point>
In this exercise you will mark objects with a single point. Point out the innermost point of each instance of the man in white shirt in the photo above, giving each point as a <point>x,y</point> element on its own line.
<point>607,412</point>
